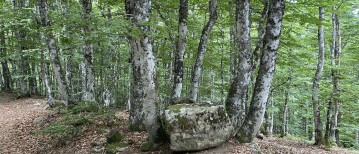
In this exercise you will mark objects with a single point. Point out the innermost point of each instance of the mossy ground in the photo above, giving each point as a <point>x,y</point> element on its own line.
<point>72,120</point>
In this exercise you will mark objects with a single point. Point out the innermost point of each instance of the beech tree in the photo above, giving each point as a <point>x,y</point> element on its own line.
<point>196,73</point>
<point>55,59</point>
<point>318,73</point>
<point>180,49</point>
<point>89,78</point>
<point>253,120</point>
<point>238,90</point>
<point>143,112</point>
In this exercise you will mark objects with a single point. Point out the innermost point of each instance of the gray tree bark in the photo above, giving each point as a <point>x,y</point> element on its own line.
<point>143,111</point>
<point>254,118</point>
<point>89,94</point>
<point>238,90</point>
<point>318,73</point>
<point>54,57</point>
<point>6,75</point>
<point>44,65</point>
<point>285,115</point>
<point>180,49</point>
<point>196,74</point>
<point>334,103</point>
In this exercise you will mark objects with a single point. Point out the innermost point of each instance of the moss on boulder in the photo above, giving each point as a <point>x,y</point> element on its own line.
<point>194,127</point>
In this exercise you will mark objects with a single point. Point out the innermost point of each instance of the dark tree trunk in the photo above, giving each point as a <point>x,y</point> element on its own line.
<point>318,73</point>
<point>253,120</point>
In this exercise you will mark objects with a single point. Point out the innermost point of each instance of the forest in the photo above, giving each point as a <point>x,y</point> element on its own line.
<point>179,75</point>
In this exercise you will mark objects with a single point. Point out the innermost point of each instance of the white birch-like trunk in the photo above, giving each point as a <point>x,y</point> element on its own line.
<point>6,75</point>
<point>89,94</point>
<point>196,74</point>
<point>254,118</point>
<point>238,91</point>
<point>107,97</point>
<point>336,82</point>
<point>180,49</point>
<point>54,57</point>
<point>143,112</point>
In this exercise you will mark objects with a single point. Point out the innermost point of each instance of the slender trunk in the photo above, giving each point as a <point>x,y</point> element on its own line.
<point>32,80</point>
<point>336,82</point>
<point>213,75</point>
<point>318,73</point>
<point>222,69</point>
<point>307,123</point>
<point>268,118</point>
<point>232,54</point>
<point>54,57</point>
<point>180,49</point>
<point>357,137</point>
<point>6,75</point>
<point>254,118</point>
<point>143,112</point>
<point>261,32</point>
<point>89,94</point>
<point>238,89</point>
<point>196,74</point>
<point>285,114</point>
<point>50,99</point>
<point>271,123</point>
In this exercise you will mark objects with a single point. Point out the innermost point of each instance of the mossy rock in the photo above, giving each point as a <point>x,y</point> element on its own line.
<point>114,137</point>
<point>147,146</point>
<point>114,147</point>
<point>194,127</point>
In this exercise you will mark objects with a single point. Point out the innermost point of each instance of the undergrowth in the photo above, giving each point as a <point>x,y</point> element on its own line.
<point>75,118</point>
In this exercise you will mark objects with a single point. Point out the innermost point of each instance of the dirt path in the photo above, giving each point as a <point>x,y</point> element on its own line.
<point>16,123</point>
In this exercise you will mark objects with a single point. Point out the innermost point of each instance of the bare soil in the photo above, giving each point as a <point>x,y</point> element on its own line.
<point>17,129</point>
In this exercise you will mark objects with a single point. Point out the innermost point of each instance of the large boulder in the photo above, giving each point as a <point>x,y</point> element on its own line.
<point>194,127</point>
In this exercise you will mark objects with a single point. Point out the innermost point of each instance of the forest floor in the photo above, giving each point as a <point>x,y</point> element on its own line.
<point>19,122</point>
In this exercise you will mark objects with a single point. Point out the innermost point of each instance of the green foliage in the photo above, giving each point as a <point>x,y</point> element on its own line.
<point>113,147</point>
<point>75,118</point>
<point>114,137</point>
<point>348,142</point>
<point>61,131</point>
<point>147,146</point>
<point>84,107</point>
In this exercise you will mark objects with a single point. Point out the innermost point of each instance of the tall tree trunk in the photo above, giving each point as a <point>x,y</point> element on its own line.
<point>238,90</point>
<point>254,118</point>
<point>180,49</point>
<point>54,57</point>
<point>261,32</point>
<point>318,73</point>
<point>336,83</point>
<point>285,114</point>
<point>196,74</point>
<point>6,75</point>
<point>50,99</point>
<point>143,112</point>
<point>268,117</point>
<point>89,94</point>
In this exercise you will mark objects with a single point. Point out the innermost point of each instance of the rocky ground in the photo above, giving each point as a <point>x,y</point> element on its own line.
<point>19,122</point>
